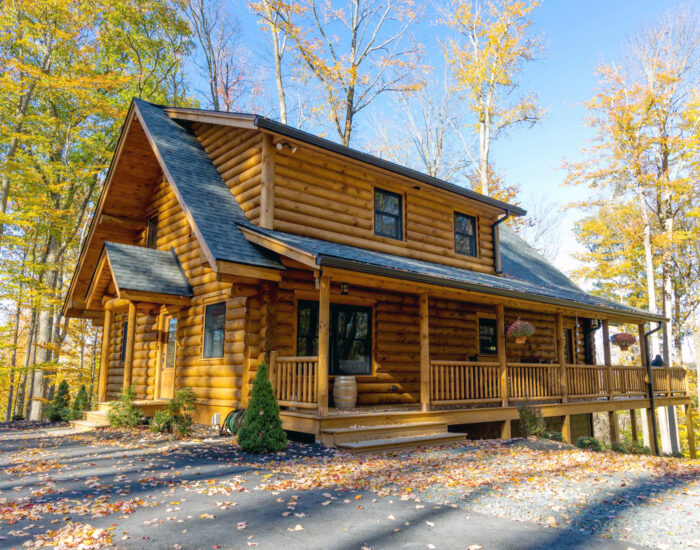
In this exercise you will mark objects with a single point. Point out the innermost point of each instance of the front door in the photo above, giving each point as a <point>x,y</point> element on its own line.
<point>167,361</point>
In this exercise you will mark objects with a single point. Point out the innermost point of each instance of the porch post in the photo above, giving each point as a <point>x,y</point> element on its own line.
<point>501,347</point>
<point>324,314</point>
<point>561,356</point>
<point>633,424</point>
<point>104,359</point>
<point>614,429</point>
<point>608,360</point>
<point>689,426</point>
<point>423,302</point>
<point>130,340</point>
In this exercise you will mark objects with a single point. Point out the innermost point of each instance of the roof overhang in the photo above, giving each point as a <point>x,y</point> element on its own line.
<point>319,261</point>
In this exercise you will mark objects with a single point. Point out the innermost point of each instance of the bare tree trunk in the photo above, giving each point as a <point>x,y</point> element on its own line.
<point>22,388</point>
<point>696,339</point>
<point>13,361</point>
<point>649,269</point>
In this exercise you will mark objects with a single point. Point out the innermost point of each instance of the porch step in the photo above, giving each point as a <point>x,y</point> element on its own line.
<point>354,434</point>
<point>84,425</point>
<point>104,406</point>
<point>391,443</point>
<point>98,417</point>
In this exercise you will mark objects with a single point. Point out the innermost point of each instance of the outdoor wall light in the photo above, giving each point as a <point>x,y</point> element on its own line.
<point>344,288</point>
<point>282,144</point>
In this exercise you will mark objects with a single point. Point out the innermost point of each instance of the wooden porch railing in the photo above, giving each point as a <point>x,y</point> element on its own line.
<point>586,381</point>
<point>678,381</point>
<point>534,381</point>
<point>463,382</point>
<point>629,380</point>
<point>294,381</point>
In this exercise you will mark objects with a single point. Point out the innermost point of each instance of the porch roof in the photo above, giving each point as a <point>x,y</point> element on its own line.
<point>526,274</point>
<point>146,270</point>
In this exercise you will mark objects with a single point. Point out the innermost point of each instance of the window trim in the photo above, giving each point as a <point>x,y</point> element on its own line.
<point>204,332</point>
<point>399,217</point>
<point>474,237</point>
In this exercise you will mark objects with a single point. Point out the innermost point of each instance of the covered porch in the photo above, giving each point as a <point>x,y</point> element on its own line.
<point>478,388</point>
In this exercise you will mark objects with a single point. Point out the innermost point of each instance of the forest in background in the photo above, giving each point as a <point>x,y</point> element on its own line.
<point>69,68</point>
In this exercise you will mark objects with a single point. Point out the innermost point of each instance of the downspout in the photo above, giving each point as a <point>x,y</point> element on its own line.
<point>497,243</point>
<point>650,385</point>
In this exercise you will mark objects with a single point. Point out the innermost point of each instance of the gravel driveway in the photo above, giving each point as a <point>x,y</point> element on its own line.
<point>137,490</point>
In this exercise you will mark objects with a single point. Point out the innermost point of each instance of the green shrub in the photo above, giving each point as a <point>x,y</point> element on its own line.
<point>59,410</point>
<point>637,448</point>
<point>531,421</point>
<point>262,431</point>
<point>162,422</point>
<point>81,400</point>
<point>177,416</point>
<point>17,417</point>
<point>122,413</point>
<point>620,447</point>
<point>181,408</point>
<point>591,443</point>
<point>553,435</point>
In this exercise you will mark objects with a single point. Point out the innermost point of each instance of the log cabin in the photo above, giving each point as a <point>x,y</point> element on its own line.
<point>221,240</point>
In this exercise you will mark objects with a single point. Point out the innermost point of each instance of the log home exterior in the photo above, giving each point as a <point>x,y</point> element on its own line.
<point>223,239</point>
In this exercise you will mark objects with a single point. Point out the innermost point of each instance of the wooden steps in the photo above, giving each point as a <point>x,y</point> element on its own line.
<point>92,420</point>
<point>388,436</point>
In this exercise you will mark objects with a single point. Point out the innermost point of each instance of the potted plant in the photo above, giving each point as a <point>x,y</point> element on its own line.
<point>520,331</point>
<point>623,340</point>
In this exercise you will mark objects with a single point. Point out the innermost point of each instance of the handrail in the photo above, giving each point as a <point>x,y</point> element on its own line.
<point>464,382</point>
<point>534,381</point>
<point>294,380</point>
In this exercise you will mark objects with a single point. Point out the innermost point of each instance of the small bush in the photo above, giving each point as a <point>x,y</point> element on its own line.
<point>262,431</point>
<point>531,421</point>
<point>638,449</point>
<point>553,435</point>
<point>122,413</point>
<point>619,447</point>
<point>59,410</point>
<point>177,416</point>
<point>17,417</point>
<point>590,443</point>
<point>162,422</point>
<point>81,400</point>
<point>181,408</point>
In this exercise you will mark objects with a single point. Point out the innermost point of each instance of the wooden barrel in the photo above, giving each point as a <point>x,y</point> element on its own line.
<point>345,392</point>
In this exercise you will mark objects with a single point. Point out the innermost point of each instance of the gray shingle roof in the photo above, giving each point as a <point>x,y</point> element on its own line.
<point>147,269</point>
<point>525,273</point>
<point>214,209</point>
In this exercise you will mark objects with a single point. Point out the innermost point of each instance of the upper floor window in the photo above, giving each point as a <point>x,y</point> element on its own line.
<point>214,328</point>
<point>388,214</point>
<point>152,232</point>
<point>465,234</point>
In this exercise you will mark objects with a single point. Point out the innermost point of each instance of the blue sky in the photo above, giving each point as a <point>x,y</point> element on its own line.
<point>578,36</point>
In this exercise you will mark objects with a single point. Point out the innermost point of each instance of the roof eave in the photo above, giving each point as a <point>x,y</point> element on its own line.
<point>331,261</point>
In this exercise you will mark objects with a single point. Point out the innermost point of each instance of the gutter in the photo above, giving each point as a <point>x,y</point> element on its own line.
<point>497,243</point>
<point>650,386</point>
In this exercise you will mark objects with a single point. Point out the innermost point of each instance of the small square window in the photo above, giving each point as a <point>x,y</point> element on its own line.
<point>388,214</point>
<point>465,234</point>
<point>214,330</point>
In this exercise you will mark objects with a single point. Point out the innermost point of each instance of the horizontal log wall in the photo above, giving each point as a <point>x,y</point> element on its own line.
<point>319,195</point>
<point>237,155</point>
<point>332,199</point>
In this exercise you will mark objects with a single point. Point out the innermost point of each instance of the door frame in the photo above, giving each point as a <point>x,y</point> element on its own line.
<point>161,355</point>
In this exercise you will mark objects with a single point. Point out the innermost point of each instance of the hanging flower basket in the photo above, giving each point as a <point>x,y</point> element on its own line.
<point>623,340</point>
<point>520,331</point>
